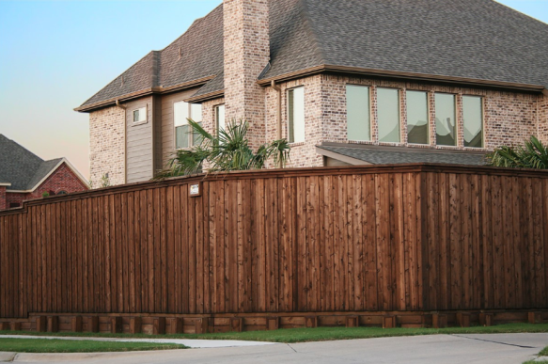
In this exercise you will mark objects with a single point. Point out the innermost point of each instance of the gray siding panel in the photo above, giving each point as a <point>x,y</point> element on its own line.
<point>139,149</point>
<point>165,136</point>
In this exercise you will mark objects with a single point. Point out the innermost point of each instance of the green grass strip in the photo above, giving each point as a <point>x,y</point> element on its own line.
<point>321,333</point>
<point>72,346</point>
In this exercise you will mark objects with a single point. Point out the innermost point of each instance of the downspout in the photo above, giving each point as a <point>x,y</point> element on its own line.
<point>124,107</point>
<point>278,89</point>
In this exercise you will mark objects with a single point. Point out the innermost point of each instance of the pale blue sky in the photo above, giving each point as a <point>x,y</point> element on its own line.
<point>54,54</point>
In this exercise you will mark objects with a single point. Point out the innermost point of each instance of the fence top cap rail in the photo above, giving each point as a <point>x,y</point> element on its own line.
<point>286,173</point>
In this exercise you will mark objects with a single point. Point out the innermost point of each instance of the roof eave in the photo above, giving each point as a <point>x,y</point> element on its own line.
<point>53,170</point>
<point>340,157</point>
<point>207,97</point>
<point>146,92</point>
<point>402,75</point>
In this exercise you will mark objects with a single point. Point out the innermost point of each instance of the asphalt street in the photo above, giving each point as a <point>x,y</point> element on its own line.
<point>446,349</point>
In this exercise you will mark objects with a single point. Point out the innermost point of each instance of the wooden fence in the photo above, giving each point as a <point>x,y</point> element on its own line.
<point>413,238</point>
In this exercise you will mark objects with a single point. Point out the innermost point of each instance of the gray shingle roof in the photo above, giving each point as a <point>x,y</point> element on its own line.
<point>402,155</point>
<point>465,39</point>
<point>20,167</point>
<point>196,54</point>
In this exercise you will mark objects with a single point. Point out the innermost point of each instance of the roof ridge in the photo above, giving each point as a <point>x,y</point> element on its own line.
<point>194,23</point>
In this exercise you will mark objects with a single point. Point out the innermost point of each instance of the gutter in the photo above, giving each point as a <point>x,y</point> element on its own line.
<point>402,75</point>
<point>279,111</point>
<point>145,92</point>
<point>124,107</point>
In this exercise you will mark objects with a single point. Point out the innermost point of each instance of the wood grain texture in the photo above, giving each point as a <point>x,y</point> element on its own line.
<point>408,238</point>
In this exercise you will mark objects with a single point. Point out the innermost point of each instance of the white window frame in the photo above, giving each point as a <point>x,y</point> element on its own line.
<point>369,113</point>
<point>184,122</point>
<point>143,116</point>
<point>399,117</point>
<point>217,123</point>
<point>482,115</point>
<point>289,131</point>
<point>428,121</point>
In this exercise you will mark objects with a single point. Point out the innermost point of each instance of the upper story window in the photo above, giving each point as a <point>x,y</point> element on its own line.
<point>182,111</point>
<point>388,115</point>
<point>295,117</point>
<point>417,117</point>
<point>472,109</point>
<point>220,118</point>
<point>140,115</point>
<point>358,113</point>
<point>446,127</point>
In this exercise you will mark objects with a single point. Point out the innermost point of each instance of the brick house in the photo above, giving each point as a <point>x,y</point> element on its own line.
<point>346,81</point>
<point>25,176</point>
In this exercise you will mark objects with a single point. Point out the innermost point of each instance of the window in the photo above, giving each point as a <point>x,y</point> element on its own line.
<point>388,114</point>
<point>446,130</point>
<point>472,109</point>
<point>62,192</point>
<point>196,115</point>
<point>358,113</point>
<point>182,111</point>
<point>417,117</point>
<point>295,112</point>
<point>14,205</point>
<point>220,118</point>
<point>140,115</point>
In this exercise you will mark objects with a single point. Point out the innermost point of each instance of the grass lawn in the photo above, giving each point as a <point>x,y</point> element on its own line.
<point>69,346</point>
<point>320,334</point>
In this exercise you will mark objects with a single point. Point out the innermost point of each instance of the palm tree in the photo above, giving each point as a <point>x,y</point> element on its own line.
<point>532,155</point>
<point>228,151</point>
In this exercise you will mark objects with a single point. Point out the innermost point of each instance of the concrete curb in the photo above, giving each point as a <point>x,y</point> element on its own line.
<point>6,356</point>
<point>191,343</point>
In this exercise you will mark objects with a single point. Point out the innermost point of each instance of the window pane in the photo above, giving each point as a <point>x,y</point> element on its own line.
<point>296,115</point>
<point>357,113</point>
<point>196,137</point>
<point>180,111</point>
<point>417,117</point>
<point>221,123</point>
<point>473,121</point>
<point>388,111</point>
<point>196,112</point>
<point>181,135</point>
<point>445,120</point>
<point>136,116</point>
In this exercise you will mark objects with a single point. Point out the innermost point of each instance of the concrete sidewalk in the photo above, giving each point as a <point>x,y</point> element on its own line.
<point>446,349</point>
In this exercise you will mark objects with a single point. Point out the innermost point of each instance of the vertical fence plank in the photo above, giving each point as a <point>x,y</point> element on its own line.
<point>368,240</point>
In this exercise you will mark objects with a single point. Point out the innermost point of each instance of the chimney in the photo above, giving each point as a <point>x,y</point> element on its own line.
<point>246,54</point>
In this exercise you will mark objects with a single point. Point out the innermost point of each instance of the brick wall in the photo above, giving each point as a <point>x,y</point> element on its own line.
<point>543,119</point>
<point>107,146</point>
<point>509,118</point>
<point>302,154</point>
<point>63,179</point>
<point>2,198</point>
<point>246,54</point>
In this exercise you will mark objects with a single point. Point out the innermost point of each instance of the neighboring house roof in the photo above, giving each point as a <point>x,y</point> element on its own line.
<point>469,41</point>
<point>24,170</point>
<point>356,154</point>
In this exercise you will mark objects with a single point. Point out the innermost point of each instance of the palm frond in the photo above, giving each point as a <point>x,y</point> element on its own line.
<point>227,151</point>
<point>533,154</point>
